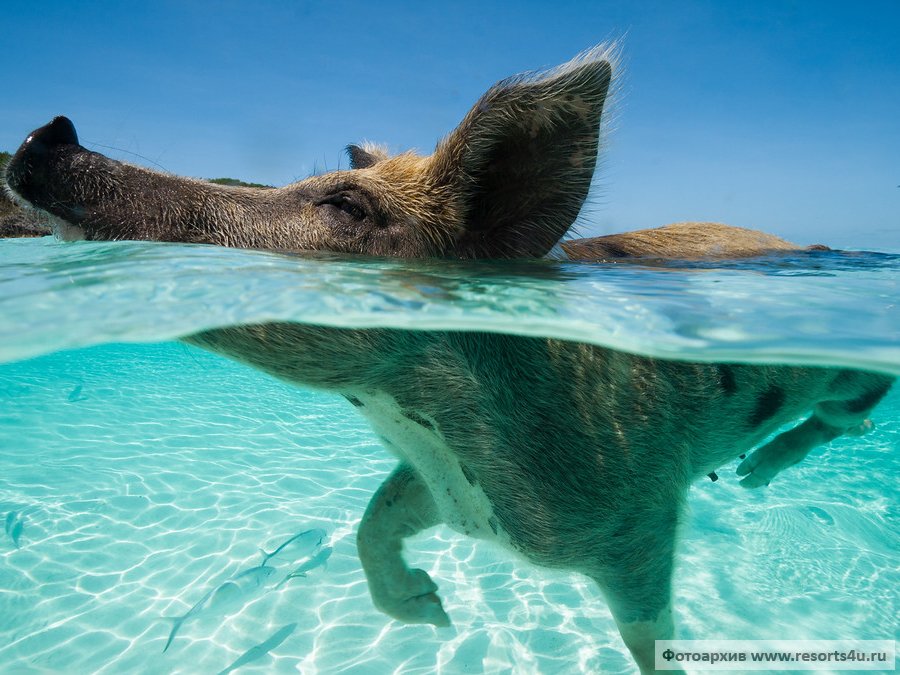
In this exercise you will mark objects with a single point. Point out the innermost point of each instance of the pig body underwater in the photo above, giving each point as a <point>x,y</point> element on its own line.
<point>574,456</point>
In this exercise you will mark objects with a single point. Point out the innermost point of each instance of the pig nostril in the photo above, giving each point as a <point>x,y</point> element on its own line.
<point>60,131</point>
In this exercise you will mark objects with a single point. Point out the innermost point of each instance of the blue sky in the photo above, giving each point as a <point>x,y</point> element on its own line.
<point>783,116</point>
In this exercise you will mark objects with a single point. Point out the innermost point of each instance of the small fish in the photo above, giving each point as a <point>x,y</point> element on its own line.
<point>320,559</point>
<point>10,519</point>
<point>17,531</point>
<point>224,598</point>
<point>258,651</point>
<point>298,546</point>
<point>75,394</point>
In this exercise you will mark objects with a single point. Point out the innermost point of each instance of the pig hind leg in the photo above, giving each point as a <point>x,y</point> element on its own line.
<point>636,580</point>
<point>855,395</point>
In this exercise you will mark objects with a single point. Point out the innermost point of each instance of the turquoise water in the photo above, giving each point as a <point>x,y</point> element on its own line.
<point>145,473</point>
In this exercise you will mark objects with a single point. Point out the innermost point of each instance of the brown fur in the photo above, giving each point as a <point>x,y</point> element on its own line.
<point>680,240</point>
<point>508,182</point>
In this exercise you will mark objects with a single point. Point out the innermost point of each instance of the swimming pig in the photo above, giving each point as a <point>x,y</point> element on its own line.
<point>574,456</point>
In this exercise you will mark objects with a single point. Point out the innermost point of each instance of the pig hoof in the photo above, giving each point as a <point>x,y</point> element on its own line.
<point>758,470</point>
<point>861,429</point>
<point>415,600</point>
<point>763,465</point>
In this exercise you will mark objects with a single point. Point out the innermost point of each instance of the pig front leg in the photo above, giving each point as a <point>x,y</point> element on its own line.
<point>401,507</point>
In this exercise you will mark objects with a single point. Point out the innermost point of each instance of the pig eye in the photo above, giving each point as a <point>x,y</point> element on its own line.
<point>347,205</point>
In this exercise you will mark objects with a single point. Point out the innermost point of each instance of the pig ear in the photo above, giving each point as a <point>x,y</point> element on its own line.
<point>365,155</point>
<point>520,164</point>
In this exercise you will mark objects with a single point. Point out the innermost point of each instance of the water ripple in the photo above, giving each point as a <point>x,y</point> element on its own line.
<point>819,307</point>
